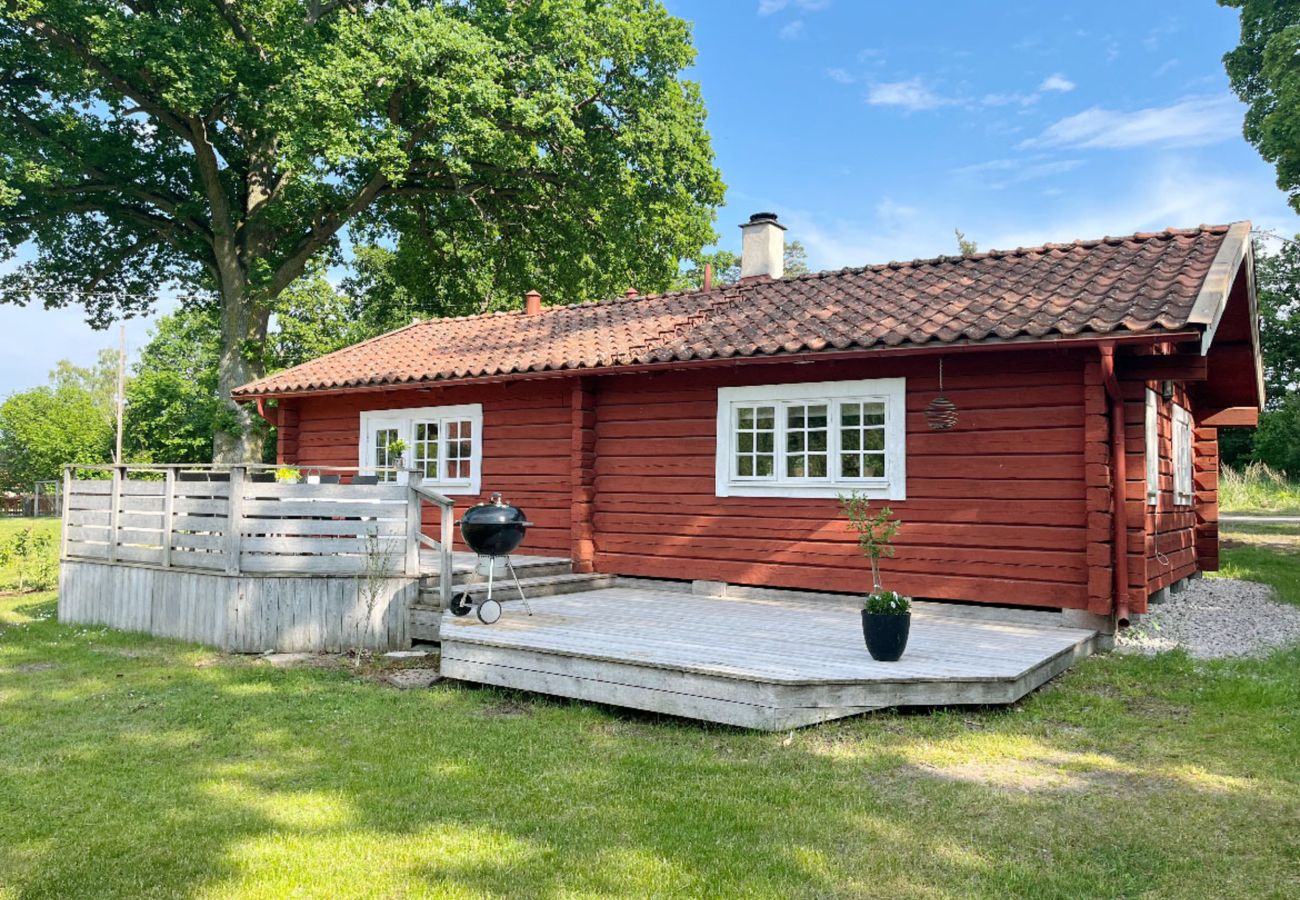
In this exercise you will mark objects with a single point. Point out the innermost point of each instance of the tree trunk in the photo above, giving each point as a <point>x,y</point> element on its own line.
<point>244,323</point>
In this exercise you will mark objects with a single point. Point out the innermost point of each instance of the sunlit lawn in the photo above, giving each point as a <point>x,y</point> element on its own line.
<point>134,767</point>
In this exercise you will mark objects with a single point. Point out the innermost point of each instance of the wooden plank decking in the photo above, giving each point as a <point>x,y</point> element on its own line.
<point>463,562</point>
<point>755,663</point>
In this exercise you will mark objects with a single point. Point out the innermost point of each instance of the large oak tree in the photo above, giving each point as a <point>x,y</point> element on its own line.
<point>1265,73</point>
<point>223,146</point>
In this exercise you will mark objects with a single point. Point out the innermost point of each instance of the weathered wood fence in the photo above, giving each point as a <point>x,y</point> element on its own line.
<point>223,520</point>
<point>219,555</point>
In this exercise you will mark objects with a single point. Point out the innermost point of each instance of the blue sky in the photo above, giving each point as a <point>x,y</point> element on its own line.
<point>875,129</point>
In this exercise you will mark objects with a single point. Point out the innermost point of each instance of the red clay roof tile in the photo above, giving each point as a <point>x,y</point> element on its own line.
<point>1143,282</point>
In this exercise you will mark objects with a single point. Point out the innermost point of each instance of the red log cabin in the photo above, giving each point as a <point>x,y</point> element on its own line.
<point>707,434</point>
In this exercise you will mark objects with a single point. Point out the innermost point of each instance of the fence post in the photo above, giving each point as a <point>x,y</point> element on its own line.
<point>115,511</point>
<point>169,508</point>
<point>445,559</point>
<point>414,524</point>
<point>63,512</point>
<point>235,520</point>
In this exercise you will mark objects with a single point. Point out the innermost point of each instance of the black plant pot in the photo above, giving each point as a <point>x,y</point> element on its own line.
<point>886,635</point>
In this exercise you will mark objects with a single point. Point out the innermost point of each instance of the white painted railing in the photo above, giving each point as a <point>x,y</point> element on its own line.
<point>446,522</point>
<point>232,519</point>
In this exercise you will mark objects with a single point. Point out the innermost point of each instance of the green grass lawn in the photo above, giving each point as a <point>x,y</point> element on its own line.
<point>135,767</point>
<point>1262,551</point>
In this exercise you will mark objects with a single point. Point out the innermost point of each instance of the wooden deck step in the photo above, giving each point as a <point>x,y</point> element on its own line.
<point>426,615</point>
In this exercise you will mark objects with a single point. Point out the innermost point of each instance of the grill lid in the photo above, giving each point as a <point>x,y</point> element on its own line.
<point>494,528</point>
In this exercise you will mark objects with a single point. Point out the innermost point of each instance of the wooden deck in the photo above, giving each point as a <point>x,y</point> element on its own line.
<point>757,663</point>
<point>463,562</point>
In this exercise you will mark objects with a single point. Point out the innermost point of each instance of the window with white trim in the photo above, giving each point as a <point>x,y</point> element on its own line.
<point>443,444</point>
<point>812,439</point>
<point>1184,491</point>
<point>1153,447</point>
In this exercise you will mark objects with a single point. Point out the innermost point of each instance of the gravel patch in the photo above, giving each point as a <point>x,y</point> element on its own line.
<point>1213,619</point>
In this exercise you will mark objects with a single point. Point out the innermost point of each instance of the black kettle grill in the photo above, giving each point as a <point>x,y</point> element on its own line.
<point>493,530</point>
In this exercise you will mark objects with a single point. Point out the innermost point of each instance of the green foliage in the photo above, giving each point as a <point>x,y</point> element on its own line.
<point>173,408</point>
<point>726,267</point>
<point>46,427</point>
<point>312,319</point>
<point>966,246</point>
<point>875,531</point>
<point>31,555</point>
<point>1277,283</point>
<point>1277,439</point>
<point>1265,73</point>
<point>1258,489</point>
<point>887,603</point>
<point>225,147</point>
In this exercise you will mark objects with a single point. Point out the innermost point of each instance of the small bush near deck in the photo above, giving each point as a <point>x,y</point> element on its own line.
<point>887,603</point>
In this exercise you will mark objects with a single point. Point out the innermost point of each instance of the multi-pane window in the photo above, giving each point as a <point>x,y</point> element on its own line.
<point>806,440</point>
<point>862,439</point>
<point>425,449</point>
<point>1153,446</point>
<point>755,450</point>
<point>386,461</point>
<point>1184,492</point>
<point>812,439</point>
<point>458,459</point>
<point>443,445</point>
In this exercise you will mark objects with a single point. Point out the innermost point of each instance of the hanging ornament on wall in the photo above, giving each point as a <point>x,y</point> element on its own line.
<point>941,413</point>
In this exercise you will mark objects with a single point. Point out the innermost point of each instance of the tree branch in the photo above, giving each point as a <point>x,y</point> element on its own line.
<point>105,183</point>
<point>227,12</point>
<point>153,105</point>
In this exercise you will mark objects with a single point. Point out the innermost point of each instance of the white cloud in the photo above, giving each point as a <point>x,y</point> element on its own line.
<point>1190,122</point>
<point>791,31</point>
<point>768,7</point>
<point>911,94</point>
<point>1171,192</point>
<point>1001,173</point>
<point>843,76</point>
<point>1056,82</point>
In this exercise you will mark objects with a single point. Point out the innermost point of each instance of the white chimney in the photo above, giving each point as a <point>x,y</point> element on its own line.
<point>762,246</point>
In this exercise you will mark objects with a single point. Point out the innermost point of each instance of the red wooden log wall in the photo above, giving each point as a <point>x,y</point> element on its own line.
<point>996,508</point>
<point>1168,549</point>
<point>527,432</point>
<point>1011,506</point>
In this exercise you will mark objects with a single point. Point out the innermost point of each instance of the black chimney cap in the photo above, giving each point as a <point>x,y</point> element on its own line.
<point>763,217</point>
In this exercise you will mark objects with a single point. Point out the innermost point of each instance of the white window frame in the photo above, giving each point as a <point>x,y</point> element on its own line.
<point>1184,464</point>
<point>890,391</point>
<point>1153,447</point>
<point>405,421</point>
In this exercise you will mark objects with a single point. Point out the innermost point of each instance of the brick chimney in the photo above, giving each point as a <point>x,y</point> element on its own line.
<point>762,247</point>
<point>532,303</point>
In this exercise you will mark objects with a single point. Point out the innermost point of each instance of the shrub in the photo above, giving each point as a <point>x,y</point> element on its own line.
<point>33,557</point>
<point>887,603</point>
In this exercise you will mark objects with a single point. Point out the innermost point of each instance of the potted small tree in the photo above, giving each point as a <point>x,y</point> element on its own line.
<point>886,615</point>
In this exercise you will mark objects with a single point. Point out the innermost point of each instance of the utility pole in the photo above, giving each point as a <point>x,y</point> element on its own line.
<point>121,392</point>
